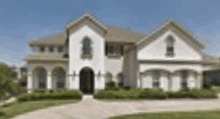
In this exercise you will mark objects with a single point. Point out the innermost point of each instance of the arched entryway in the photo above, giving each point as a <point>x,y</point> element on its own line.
<point>58,78</point>
<point>87,80</point>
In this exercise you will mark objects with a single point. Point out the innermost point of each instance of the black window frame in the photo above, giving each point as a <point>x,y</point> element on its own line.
<point>170,46</point>
<point>42,48</point>
<point>51,48</point>
<point>111,49</point>
<point>58,49</point>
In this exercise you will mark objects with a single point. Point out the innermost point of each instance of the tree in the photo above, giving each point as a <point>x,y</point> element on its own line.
<point>7,83</point>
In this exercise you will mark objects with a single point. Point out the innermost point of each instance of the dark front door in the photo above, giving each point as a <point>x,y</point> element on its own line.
<point>86,80</point>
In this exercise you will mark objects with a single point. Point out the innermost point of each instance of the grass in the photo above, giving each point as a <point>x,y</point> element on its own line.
<point>174,115</point>
<point>17,108</point>
<point>217,89</point>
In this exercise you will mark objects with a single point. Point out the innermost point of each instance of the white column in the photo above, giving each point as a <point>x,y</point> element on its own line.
<point>199,80</point>
<point>170,81</point>
<point>30,82</point>
<point>147,80</point>
<point>176,81</point>
<point>66,81</point>
<point>140,78</point>
<point>49,80</point>
<point>191,81</point>
<point>164,81</point>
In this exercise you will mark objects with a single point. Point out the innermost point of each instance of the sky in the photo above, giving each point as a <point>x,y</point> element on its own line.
<point>23,20</point>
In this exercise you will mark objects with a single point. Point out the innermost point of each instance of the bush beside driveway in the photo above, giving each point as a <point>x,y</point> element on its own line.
<point>135,94</point>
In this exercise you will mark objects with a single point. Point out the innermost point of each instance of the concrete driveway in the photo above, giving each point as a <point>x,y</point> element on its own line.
<point>90,108</point>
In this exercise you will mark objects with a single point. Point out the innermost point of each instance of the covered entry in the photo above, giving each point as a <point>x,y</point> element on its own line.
<point>87,80</point>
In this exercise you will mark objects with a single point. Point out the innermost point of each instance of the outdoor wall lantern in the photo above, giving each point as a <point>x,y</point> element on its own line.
<point>99,74</point>
<point>74,73</point>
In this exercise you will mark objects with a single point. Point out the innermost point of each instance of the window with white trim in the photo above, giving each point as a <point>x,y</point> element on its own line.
<point>112,49</point>
<point>156,79</point>
<point>86,48</point>
<point>184,75</point>
<point>170,46</point>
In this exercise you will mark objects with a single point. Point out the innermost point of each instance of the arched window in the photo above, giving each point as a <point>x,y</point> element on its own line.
<point>170,46</point>
<point>120,78</point>
<point>156,79</point>
<point>87,46</point>
<point>184,75</point>
<point>108,77</point>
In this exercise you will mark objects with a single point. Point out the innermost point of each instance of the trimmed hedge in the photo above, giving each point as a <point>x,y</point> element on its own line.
<point>120,94</point>
<point>154,94</point>
<point>50,95</point>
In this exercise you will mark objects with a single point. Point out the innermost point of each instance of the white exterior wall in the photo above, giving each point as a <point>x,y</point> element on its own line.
<point>147,80</point>
<point>49,67</point>
<point>170,67</point>
<point>191,80</point>
<point>114,66</point>
<point>157,50</point>
<point>96,63</point>
<point>164,81</point>
<point>176,82</point>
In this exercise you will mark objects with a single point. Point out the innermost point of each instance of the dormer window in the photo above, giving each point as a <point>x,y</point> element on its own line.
<point>42,48</point>
<point>86,48</point>
<point>170,46</point>
<point>51,48</point>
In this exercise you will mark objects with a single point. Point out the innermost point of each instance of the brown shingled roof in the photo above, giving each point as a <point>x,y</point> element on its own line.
<point>118,34</point>
<point>114,34</point>
<point>56,39</point>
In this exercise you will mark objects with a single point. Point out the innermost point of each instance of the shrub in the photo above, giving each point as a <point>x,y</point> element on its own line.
<point>186,90</point>
<point>65,94</point>
<point>103,94</point>
<point>203,94</point>
<point>180,94</point>
<point>111,86</point>
<point>39,91</point>
<point>24,97</point>
<point>153,94</point>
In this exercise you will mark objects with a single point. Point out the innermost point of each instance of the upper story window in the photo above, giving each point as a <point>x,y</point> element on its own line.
<point>34,49</point>
<point>86,46</point>
<point>170,46</point>
<point>114,50</point>
<point>51,48</point>
<point>42,48</point>
<point>60,49</point>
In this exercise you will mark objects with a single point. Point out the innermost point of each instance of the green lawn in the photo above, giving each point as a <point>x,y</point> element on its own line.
<point>174,115</point>
<point>217,89</point>
<point>18,108</point>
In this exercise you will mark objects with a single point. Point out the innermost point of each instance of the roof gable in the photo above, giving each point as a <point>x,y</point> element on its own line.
<point>176,28</point>
<point>86,17</point>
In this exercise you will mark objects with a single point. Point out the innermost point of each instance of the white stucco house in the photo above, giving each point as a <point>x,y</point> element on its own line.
<point>89,54</point>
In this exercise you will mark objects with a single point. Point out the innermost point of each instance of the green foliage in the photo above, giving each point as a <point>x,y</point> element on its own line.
<point>153,94</point>
<point>111,86</point>
<point>7,83</point>
<point>50,95</point>
<point>195,93</point>
<point>130,94</point>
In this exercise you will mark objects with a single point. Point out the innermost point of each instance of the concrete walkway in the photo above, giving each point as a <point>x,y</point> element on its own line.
<point>90,108</point>
<point>10,100</point>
